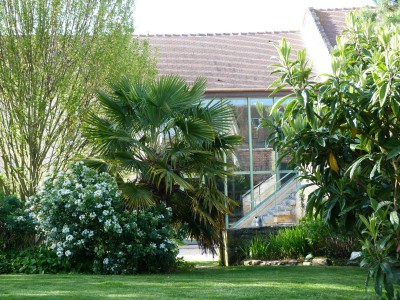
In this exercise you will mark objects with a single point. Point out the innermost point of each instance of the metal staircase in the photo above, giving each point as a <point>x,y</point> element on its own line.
<point>279,207</point>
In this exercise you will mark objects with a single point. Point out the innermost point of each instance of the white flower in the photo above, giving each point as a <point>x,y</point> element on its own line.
<point>68,253</point>
<point>65,192</point>
<point>106,212</point>
<point>162,246</point>
<point>69,237</point>
<point>98,193</point>
<point>53,246</point>
<point>65,229</point>
<point>66,182</point>
<point>32,214</point>
<point>20,218</point>
<point>99,205</point>
<point>92,215</point>
<point>60,251</point>
<point>68,205</point>
<point>108,203</point>
<point>105,261</point>
<point>78,186</point>
<point>82,217</point>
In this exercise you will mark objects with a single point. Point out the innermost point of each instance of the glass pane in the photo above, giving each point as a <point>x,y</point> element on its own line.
<point>239,190</point>
<point>263,156</point>
<point>240,127</point>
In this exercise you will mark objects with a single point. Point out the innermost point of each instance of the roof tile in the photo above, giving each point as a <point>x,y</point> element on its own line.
<point>234,60</point>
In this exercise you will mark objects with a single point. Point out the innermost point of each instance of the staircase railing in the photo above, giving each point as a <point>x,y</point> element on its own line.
<point>278,186</point>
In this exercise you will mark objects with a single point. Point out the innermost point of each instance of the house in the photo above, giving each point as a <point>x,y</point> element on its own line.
<point>238,67</point>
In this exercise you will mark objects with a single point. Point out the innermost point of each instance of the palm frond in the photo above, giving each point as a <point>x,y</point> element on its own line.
<point>109,139</point>
<point>100,165</point>
<point>130,162</point>
<point>194,130</point>
<point>161,176</point>
<point>217,113</point>
<point>136,195</point>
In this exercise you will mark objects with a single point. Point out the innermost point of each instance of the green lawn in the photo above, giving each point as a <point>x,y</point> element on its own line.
<point>201,283</point>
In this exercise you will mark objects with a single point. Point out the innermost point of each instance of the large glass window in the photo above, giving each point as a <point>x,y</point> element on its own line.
<point>254,161</point>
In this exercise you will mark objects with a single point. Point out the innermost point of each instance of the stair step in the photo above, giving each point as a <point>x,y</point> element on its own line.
<point>283,213</point>
<point>280,219</point>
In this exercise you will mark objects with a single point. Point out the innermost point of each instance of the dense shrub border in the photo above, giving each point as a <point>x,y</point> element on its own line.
<point>82,225</point>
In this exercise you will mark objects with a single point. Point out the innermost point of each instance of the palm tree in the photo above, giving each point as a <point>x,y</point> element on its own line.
<point>164,143</point>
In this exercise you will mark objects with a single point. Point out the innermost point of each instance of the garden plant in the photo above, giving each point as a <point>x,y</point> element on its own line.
<point>165,144</point>
<point>342,133</point>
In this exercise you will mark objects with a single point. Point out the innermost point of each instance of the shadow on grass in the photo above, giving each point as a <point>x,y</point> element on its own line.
<point>206,281</point>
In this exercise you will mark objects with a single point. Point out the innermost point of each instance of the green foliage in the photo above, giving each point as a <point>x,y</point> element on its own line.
<point>289,243</point>
<point>379,247</point>
<point>347,144</point>
<point>258,248</point>
<point>84,222</point>
<point>334,243</point>
<point>17,229</point>
<point>54,55</point>
<point>165,144</point>
<point>34,260</point>
<point>345,125</point>
<point>310,236</point>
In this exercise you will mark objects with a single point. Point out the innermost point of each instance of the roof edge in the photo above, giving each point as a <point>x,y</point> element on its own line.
<point>244,93</point>
<point>321,29</point>
<point>216,34</point>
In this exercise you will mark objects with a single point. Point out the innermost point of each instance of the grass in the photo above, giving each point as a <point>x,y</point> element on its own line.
<point>207,282</point>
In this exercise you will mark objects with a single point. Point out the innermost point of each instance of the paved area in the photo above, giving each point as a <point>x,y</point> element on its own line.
<point>192,252</point>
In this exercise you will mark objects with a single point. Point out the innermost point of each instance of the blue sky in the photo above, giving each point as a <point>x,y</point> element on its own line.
<point>213,16</point>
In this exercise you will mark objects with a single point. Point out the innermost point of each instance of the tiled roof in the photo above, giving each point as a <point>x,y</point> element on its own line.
<point>234,61</point>
<point>228,61</point>
<point>331,22</point>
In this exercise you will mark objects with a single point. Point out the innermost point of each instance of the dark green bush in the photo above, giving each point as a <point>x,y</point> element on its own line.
<point>331,242</point>
<point>17,230</point>
<point>35,260</point>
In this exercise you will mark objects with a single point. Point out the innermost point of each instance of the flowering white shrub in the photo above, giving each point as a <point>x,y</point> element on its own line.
<point>83,220</point>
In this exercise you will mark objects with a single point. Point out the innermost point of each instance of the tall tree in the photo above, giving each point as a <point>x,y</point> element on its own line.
<point>166,144</point>
<point>53,55</point>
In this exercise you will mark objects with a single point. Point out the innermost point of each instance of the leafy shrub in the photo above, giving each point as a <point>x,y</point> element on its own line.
<point>34,260</point>
<point>289,243</point>
<point>17,230</point>
<point>258,248</point>
<point>286,243</point>
<point>313,236</point>
<point>326,241</point>
<point>85,223</point>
